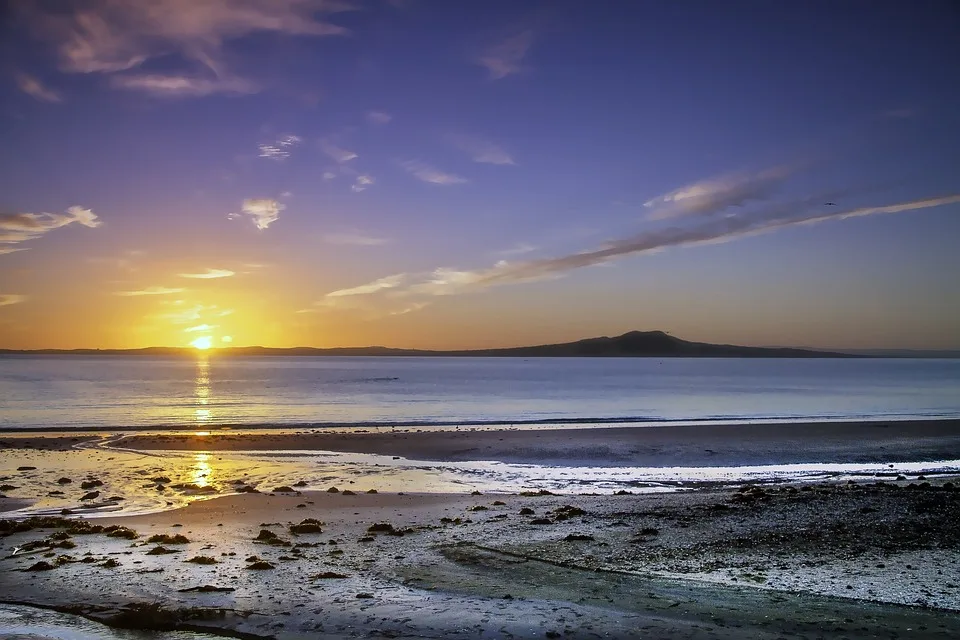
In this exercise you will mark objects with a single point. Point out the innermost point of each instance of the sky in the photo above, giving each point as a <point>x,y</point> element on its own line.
<point>437,174</point>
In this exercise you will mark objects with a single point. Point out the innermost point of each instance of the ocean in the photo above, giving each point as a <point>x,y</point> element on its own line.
<point>113,392</point>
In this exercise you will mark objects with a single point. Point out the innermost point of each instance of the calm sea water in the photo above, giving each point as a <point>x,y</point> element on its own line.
<point>110,392</point>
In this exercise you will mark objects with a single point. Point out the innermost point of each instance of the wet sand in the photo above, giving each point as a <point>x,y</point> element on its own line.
<point>830,560</point>
<point>701,445</point>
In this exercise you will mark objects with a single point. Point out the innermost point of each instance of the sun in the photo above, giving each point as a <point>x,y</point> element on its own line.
<point>203,342</point>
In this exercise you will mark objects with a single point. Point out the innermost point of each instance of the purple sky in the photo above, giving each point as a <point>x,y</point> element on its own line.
<point>425,173</point>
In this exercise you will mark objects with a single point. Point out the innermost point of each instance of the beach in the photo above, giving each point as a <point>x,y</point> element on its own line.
<point>846,555</point>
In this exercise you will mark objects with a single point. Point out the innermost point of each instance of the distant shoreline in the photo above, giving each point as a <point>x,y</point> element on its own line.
<point>634,344</point>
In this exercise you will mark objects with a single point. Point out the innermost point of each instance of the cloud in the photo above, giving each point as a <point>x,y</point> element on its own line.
<point>209,274</point>
<point>20,227</point>
<point>34,88</point>
<point>709,197</point>
<point>517,249</point>
<point>354,238</point>
<point>378,117</point>
<point>388,282</point>
<point>279,149</point>
<point>481,150</point>
<point>183,86</point>
<point>263,211</point>
<point>505,58</point>
<point>11,298</point>
<point>6,250</point>
<point>151,291</point>
<point>201,327</point>
<point>329,175</point>
<point>194,313</point>
<point>427,173</point>
<point>446,281</point>
<point>362,182</point>
<point>124,261</point>
<point>105,36</point>
<point>336,153</point>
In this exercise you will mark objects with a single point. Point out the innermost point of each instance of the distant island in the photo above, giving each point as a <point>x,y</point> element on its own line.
<point>635,344</point>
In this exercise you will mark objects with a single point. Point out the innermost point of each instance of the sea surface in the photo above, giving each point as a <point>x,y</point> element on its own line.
<point>108,392</point>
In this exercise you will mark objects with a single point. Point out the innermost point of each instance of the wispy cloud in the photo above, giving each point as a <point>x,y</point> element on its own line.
<point>354,238</point>
<point>263,211</point>
<point>109,35</point>
<point>280,148</point>
<point>36,89</point>
<point>193,313</point>
<point>184,86</point>
<point>11,298</point>
<point>505,57</point>
<point>336,153</point>
<point>378,117</point>
<point>125,261</point>
<point>713,196</point>
<point>481,150</point>
<point>151,291</point>
<point>6,250</point>
<point>209,274</point>
<point>201,327</point>
<point>362,183</point>
<point>447,281</point>
<point>389,282</point>
<point>425,172</point>
<point>517,249</point>
<point>20,227</point>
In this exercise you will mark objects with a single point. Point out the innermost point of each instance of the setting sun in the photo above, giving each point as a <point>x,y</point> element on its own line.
<point>203,342</point>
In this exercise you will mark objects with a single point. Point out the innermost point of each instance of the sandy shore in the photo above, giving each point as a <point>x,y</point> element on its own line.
<point>652,446</point>
<point>830,560</point>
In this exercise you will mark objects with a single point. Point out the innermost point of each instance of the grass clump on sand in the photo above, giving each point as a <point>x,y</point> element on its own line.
<point>308,525</point>
<point>165,538</point>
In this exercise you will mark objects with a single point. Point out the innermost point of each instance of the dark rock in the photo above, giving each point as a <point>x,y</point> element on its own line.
<point>532,494</point>
<point>526,511</point>
<point>284,489</point>
<point>40,566</point>
<point>364,595</point>
<point>26,468</point>
<point>202,560</point>
<point>161,480</point>
<point>478,507</point>
<point>328,575</point>
<point>333,490</point>
<point>64,481</point>
<point>110,564</point>
<point>541,521</point>
<point>499,503</point>
<point>475,493</point>
<point>90,484</point>
<point>301,483</point>
<point>366,539</point>
<point>206,588</point>
<point>247,489</point>
<point>121,532</point>
<point>380,527</point>
<point>260,565</point>
<point>578,537</point>
<point>371,491</point>
<point>623,492</point>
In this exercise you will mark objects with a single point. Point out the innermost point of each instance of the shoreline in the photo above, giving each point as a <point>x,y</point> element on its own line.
<point>742,444</point>
<point>470,424</point>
